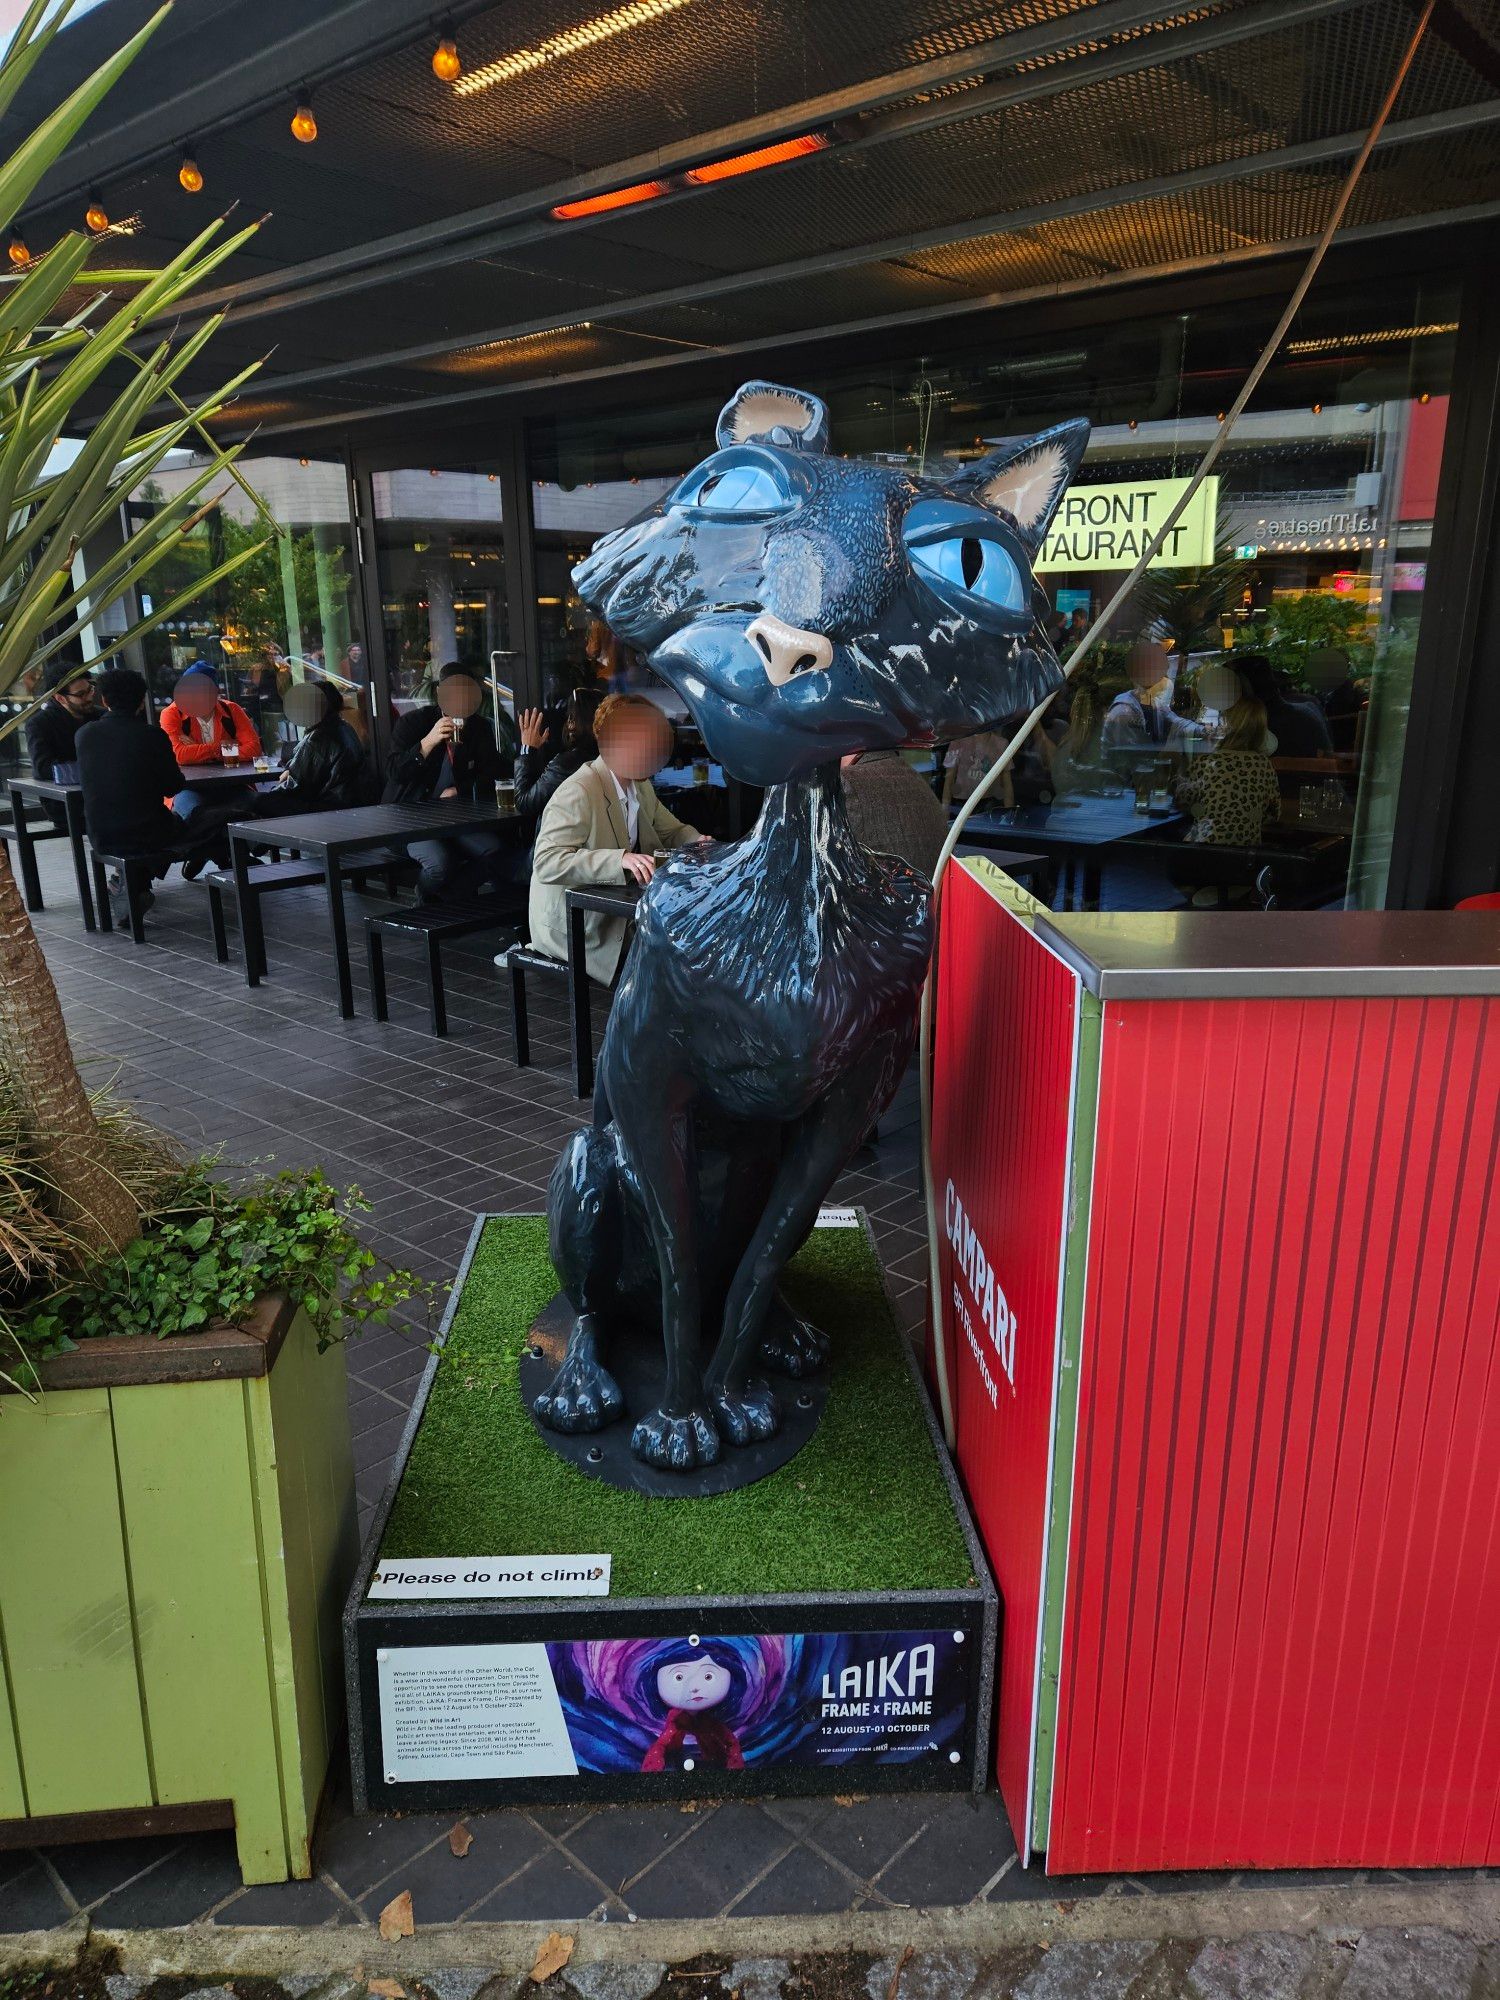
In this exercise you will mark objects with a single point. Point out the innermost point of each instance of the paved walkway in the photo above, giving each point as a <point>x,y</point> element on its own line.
<point>433,1131</point>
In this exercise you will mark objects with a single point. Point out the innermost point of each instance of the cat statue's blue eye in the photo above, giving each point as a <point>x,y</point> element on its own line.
<point>963,555</point>
<point>747,486</point>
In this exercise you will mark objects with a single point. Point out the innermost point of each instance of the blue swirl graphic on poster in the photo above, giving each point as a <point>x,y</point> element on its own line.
<point>825,1698</point>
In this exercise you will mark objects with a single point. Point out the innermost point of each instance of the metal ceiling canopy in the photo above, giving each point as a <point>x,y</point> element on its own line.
<point>991,150</point>
<point>888,109</point>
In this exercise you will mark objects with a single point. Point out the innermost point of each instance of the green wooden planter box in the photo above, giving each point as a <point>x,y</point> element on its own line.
<point>177,1535</point>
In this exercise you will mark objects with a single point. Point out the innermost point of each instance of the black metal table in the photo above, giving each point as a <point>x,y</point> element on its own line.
<point>331,836</point>
<point>1079,833</point>
<point>214,777</point>
<point>70,797</point>
<point>612,900</point>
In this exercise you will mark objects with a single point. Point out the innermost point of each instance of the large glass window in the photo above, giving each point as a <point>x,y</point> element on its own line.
<point>290,612</point>
<point>1238,737</point>
<point>440,548</point>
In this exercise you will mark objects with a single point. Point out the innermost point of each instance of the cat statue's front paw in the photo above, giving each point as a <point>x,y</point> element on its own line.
<point>747,1415</point>
<point>676,1444</point>
<point>582,1396</point>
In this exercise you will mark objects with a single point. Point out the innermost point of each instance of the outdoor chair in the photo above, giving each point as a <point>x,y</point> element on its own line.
<point>432,923</point>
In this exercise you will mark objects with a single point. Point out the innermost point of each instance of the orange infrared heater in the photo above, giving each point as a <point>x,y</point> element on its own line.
<point>764,156</point>
<point>600,204</point>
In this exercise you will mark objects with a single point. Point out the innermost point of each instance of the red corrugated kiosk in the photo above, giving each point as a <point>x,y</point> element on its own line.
<point>1221,1303</point>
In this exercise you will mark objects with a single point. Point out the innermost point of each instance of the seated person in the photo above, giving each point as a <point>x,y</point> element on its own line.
<point>1295,724</point>
<point>446,750</point>
<point>893,809</point>
<point>329,768</point>
<point>51,730</point>
<point>1231,789</point>
<point>604,824</point>
<point>538,773</point>
<point>206,727</point>
<point>1142,717</point>
<point>127,771</point>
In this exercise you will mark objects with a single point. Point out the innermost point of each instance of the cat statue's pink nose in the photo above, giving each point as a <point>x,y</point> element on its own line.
<point>786,650</point>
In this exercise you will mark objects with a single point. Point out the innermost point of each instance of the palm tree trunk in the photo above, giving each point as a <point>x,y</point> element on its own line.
<point>64,1138</point>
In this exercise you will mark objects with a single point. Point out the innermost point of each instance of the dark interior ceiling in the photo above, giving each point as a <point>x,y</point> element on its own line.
<point>973,154</point>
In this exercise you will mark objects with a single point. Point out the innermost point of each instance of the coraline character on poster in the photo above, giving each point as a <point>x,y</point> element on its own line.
<point>827,1698</point>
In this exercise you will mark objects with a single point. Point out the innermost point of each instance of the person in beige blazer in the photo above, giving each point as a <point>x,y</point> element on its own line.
<point>603,825</point>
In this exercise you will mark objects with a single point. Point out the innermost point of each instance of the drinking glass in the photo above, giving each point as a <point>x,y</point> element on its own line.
<point>505,794</point>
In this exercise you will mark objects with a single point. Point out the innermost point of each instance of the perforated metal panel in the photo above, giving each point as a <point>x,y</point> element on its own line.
<point>1181,159</point>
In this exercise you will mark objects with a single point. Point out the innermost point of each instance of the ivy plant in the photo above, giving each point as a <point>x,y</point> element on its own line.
<point>208,1252</point>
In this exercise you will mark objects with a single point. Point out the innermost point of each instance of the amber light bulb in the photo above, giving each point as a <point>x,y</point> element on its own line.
<point>19,255</point>
<point>304,125</point>
<point>96,215</point>
<point>446,64</point>
<point>190,175</point>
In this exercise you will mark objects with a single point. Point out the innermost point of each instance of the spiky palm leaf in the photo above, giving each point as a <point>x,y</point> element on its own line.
<point>1186,605</point>
<point>65,320</point>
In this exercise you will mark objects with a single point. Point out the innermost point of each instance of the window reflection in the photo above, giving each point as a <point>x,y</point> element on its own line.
<point>289,613</point>
<point>440,550</point>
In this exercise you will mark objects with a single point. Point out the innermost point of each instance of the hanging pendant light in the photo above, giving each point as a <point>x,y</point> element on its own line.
<point>19,255</point>
<point>96,215</point>
<point>190,175</point>
<point>304,125</point>
<point>447,66</point>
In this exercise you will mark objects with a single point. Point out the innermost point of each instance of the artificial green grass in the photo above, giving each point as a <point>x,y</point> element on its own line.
<point>863,1506</point>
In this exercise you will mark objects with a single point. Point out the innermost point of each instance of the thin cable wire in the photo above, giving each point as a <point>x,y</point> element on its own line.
<point>1008,755</point>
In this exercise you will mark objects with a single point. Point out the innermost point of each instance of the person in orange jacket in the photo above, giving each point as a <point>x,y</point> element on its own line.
<point>201,724</point>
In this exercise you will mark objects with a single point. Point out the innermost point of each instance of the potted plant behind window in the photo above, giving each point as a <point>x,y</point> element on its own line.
<point>176,1496</point>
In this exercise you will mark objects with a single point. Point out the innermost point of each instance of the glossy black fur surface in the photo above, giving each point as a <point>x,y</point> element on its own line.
<point>804,607</point>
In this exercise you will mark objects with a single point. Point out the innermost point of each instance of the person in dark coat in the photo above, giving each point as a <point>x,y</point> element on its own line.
<point>52,729</point>
<point>329,769</point>
<point>446,750</point>
<point>127,770</point>
<point>539,771</point>
<point>893,809</point>
<point>1296,724</point>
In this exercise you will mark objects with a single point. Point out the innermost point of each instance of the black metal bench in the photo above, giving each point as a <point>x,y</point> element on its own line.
<point>432,922</point>
<point>20,827</point>
<point>267,877</point>
<point>136,873</point>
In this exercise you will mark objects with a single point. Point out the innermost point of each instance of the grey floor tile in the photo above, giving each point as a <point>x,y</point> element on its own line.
<point>729,1852</point>
<point>865,1835</point>
<point>621,1842</point>
<point>93,1868</point>
<point>443,1887</point>
<point>803,1884</point>
<point>953,1859</point>
<point>311,1904</point>
<point>29,1901</point>
<point>548,1891</point>
<point>202,1873</point>
<point>358,1851</point>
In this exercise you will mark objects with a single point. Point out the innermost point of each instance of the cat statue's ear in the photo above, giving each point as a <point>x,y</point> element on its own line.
<point>1025,478</point>
<point>765,413</point>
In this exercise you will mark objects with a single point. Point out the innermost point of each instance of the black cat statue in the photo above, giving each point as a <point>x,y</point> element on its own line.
<point>803,606</point>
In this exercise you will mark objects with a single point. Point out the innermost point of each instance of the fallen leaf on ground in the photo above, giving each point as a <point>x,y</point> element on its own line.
<point>850,1798</point>
<point>386,1989</point>
<point>891,1990</point>
<point>396,1920</point>
<point>460,1840</point>
<point>553,1956</point>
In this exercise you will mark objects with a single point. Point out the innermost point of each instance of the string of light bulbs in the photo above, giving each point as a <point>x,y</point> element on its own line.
<point>447,67</point>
